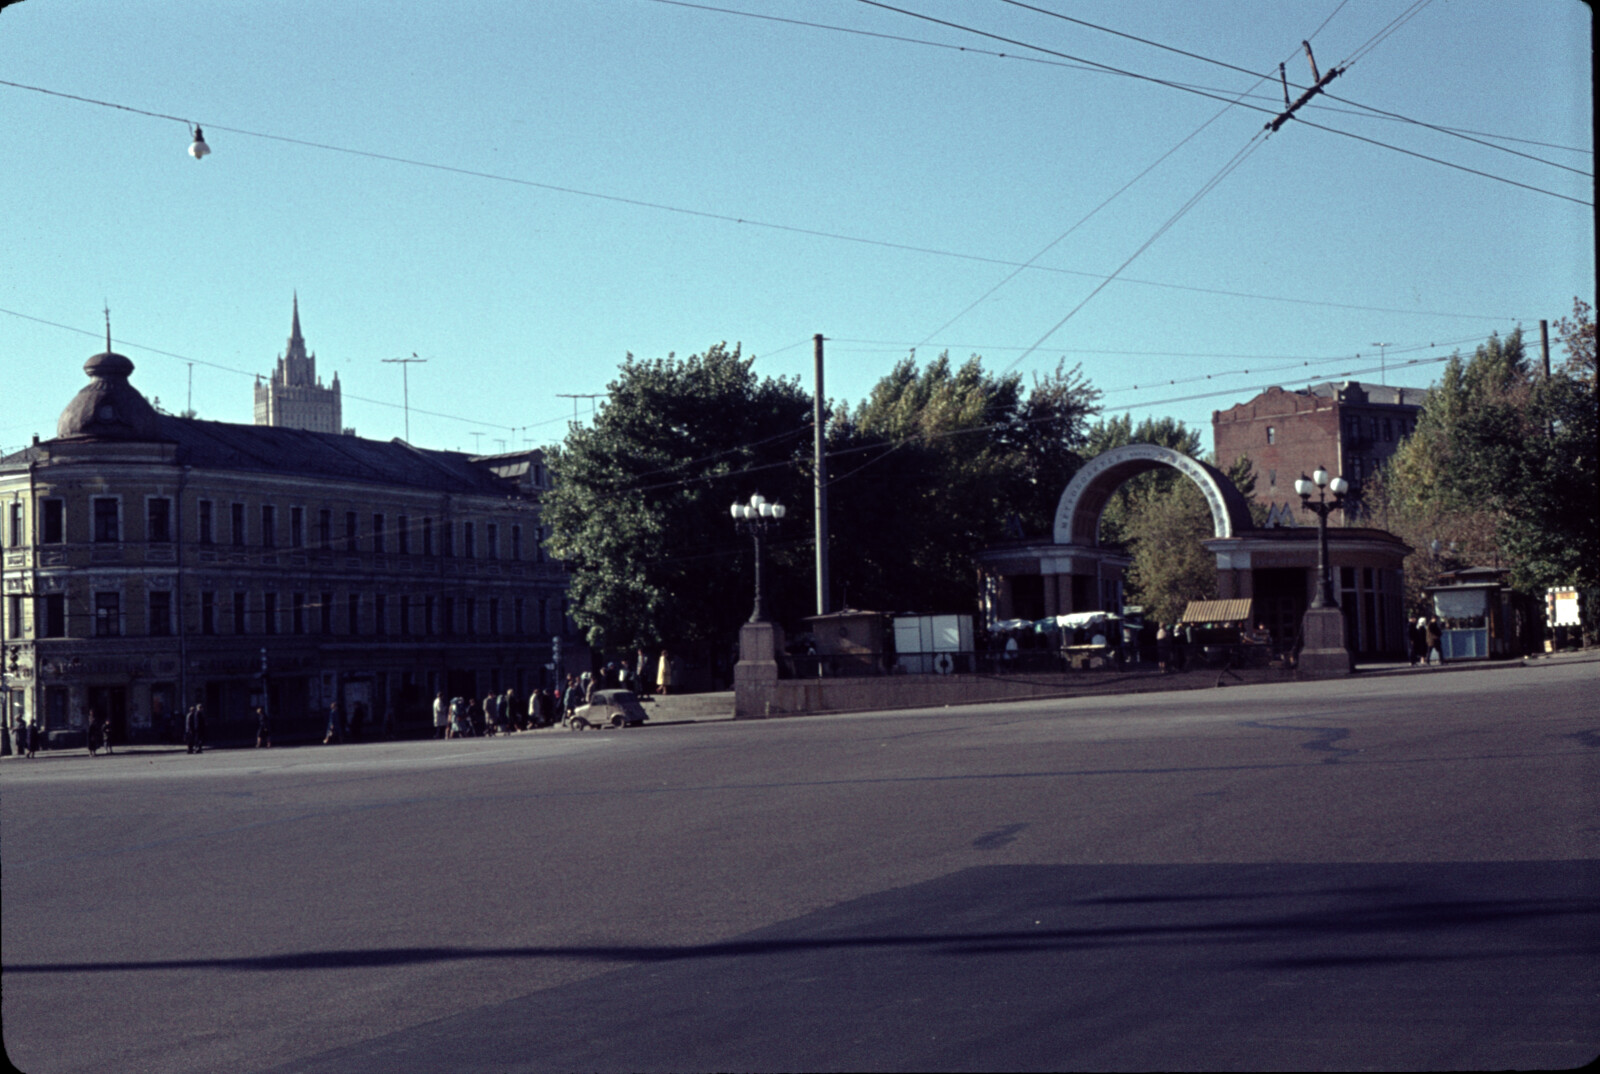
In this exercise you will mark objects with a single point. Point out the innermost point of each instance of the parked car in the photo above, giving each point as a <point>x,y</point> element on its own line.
<point>616,708</point>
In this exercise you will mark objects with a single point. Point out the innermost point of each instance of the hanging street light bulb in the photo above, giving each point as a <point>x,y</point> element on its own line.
<point>198,147</point>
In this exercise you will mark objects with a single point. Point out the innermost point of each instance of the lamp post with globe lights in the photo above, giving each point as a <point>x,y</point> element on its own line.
<point>1324,653</point>
<point>1320,484</point>
<point>757,518</point>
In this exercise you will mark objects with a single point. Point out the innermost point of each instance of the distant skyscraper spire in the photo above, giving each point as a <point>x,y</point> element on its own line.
<point>294,396</point>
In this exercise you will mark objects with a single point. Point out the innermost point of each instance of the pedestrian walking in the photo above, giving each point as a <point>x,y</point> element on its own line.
<point>664,675</point>
<point>335,725</point>
<point>95,733</point>
<point>441,716</point>
<point>1163,647</point>
<point>194,728</point>
<point>263,728</point>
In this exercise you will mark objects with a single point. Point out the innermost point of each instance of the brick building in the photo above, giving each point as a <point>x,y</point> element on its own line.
<point>151,561</point>
<point>1350,428</point>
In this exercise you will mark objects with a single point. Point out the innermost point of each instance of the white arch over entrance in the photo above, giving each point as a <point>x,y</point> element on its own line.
<point>1084,499</point>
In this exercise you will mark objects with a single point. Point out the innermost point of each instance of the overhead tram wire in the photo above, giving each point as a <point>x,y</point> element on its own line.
<point>1217,92</point>
<point>1116,194</point>
<point>1360,53</point>
<point>722,217</point>
<point>1256,141</point>
<point>1179,86</point>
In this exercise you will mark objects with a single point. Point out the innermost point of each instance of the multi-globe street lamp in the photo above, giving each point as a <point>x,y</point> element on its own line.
<point>756,518</point>
<point>1320,483</point>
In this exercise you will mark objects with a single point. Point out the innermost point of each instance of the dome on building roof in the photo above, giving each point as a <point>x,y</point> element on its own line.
<point>108,407</point>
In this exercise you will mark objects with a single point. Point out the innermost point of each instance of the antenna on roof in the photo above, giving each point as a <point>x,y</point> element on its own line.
<point>405,378</point>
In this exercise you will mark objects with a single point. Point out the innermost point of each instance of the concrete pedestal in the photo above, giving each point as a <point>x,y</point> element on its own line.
<point>757,669</point>
<point>1324,655</point>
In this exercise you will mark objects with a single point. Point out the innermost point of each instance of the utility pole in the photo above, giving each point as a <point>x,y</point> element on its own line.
<point>1544,346</point>
<point>188,407</point>
<point>1383,361</point>
<point>405,384</point>
<point>575,398</point>
<point>820,466</point>
<point>1319,83</point>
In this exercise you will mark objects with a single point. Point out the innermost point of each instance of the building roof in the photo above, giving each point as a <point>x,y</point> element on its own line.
<point>220,445</point>
<point>1354,391</point>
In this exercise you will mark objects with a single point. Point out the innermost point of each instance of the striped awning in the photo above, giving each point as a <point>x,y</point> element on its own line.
<point>1217,611</point>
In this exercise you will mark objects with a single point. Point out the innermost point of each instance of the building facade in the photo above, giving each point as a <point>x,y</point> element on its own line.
<point>293,397</point>
<point>153,561</point>
<point>1349,428</point>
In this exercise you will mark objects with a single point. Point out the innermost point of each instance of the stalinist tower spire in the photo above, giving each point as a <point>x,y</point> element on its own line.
<point>293,396</point>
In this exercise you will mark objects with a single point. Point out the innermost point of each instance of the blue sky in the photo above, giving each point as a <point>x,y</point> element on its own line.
<point>651,177</point>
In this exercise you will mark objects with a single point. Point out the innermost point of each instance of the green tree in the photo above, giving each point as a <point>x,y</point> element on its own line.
<point>1114,432</point>
<point>1503,463</point>
<point>935,464</point>
<point>639,510</point>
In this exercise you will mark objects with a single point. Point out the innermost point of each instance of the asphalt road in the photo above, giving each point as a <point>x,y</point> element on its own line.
<point>1396,872</point>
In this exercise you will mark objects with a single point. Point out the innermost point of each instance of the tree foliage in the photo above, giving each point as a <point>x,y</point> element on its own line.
<point>639,510</point>
<point>938,462</point>
<point>1503,464</point>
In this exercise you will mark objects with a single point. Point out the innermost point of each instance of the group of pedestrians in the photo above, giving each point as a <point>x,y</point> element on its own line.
<point>499,714</point>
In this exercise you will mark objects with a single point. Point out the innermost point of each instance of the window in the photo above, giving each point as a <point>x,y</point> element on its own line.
<point>380,612</point>
<point>469,544</point>
<point>405,616</point>
<point>516,542</point>
<point>352,623</point>
<point>325,529</point>
<point>427,615</point>
<point>377,534</point>
<point>297,527</point>
<point>159,528</point>
<point>239,622</point>
<point>203,516</point>
<point>107,615</point>
<point>538,543</point>
<point>16,616</point>
<point>208,613</point>
<point>160,613</point>
<point>492,540</point>
<point>269,613</point>
<point>54,522</point>
<point>544,615</point>
<point>1272,479</point>
<point>494,615</point>
<point>238,535</point>
<point>519,609</point>
<point>448,621</point>
<point>326,606</point>
<point>105,520</point>
<point>447,537</point>
<point>54,624</point>
<point>269,526</point>
<point>1388,429</point>
<point>349,531</point>
<point>427,536</point>
<point>472,615</point>
<point>1272,435</point>
<point>16,523</point>
<point>402,533</point>
<point>297,613</point>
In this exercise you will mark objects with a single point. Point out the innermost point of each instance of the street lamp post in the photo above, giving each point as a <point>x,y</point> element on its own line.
<point>1323,653</point>
<point>1320,484</point>
<point>757,518</point>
